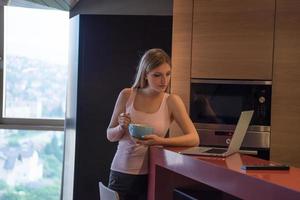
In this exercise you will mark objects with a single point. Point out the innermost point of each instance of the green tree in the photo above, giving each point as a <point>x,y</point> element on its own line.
<point>25,192</point>
<point>13,143</point>
<point>54,148</point>
<point>3,185</point>
<point>10,195</point>
<point>52,167</point>
<point>50,192</point>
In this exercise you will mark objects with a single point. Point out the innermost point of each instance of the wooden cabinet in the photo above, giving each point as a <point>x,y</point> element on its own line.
<point>233,39</point>
<point>224,39</point>
<point>285,136</point>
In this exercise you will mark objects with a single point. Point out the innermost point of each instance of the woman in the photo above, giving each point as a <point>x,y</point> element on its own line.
<point>147,102</point>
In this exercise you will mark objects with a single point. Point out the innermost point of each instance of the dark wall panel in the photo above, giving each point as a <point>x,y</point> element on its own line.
<point>109,51</point>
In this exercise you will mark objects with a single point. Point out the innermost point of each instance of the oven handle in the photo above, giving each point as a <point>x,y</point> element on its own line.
<point>249,152</point>
<point>223,81</point>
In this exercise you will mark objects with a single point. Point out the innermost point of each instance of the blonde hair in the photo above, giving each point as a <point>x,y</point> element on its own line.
<point>150,60</point>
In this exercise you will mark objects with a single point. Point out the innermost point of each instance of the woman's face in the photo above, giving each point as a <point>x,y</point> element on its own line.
<point>159,78</point>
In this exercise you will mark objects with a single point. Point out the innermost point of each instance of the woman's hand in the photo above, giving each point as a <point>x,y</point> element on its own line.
<point>151,140</point>
<point>124,120</point>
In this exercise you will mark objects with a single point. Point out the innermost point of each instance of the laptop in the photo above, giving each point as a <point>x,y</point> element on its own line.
<point>235,144</point>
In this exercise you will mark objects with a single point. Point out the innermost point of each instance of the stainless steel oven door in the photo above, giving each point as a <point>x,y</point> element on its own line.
<point>220,135</point>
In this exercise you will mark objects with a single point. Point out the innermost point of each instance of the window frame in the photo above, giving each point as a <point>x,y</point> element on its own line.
<point>21,123</point>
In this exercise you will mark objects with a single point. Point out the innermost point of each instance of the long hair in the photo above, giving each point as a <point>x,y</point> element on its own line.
<point>150,60</point>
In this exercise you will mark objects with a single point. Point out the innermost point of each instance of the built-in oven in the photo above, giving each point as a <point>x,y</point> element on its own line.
<point>215,107</point>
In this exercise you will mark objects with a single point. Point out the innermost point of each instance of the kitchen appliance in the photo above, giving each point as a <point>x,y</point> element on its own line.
<point>215,107</point>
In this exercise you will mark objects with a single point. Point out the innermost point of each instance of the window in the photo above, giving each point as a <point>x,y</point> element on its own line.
<point>34,56</point>
<point>30,164</point>
<point>35,59</point>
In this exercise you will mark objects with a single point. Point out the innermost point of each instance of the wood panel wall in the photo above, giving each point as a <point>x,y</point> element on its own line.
<point>285,136</point>
<point>233,39</point>
<point>181,53</point>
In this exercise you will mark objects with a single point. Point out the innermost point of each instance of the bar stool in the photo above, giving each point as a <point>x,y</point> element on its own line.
<point>107,193</point>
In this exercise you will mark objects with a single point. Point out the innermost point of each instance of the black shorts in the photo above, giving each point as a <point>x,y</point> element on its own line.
<point>128,186</point>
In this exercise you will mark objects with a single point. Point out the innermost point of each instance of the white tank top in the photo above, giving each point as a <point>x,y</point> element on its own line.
<point>132,158</point>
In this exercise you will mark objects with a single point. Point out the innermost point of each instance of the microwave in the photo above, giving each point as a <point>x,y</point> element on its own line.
<point>222,101</point>
<point>215,108</point>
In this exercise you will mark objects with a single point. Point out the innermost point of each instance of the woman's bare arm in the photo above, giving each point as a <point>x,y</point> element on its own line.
<point>119,120</point>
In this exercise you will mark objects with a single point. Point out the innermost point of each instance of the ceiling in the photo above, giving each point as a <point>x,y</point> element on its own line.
<point>57,4</point>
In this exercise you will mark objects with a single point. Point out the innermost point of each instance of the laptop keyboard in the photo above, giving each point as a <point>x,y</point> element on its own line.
<point>217,151</point>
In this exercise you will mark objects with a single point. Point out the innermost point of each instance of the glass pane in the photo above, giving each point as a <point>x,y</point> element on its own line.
<point>30,164</point>
<point>35,62</point>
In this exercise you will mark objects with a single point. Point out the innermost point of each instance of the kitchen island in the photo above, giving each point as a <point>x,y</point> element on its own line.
<point>172,173</point>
